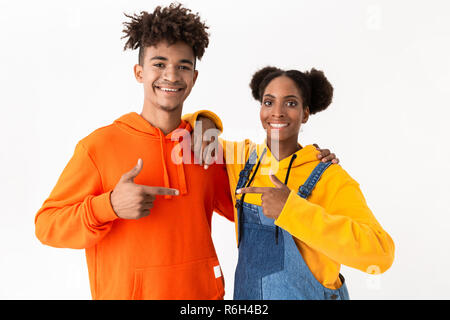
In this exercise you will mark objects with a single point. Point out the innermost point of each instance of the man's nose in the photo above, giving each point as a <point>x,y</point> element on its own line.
<point>171,74</point>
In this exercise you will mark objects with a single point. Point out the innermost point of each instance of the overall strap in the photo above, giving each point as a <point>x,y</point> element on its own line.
<point>245,173</point>
<point>243,182</point>
<point>305,190</point>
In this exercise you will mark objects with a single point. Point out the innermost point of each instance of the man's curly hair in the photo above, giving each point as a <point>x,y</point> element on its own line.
<point>172,24</point>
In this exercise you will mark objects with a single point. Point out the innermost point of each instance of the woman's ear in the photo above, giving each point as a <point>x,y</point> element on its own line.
<point>305,114</point>
<point>138,73</point>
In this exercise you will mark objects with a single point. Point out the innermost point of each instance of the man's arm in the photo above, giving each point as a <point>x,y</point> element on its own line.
<point>78,212</point>
<point>207,127</point>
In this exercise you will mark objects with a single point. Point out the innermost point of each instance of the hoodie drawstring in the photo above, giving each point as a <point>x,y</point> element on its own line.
<point>285,182</point>
<point>181,175</point>
<point>163,161</point>
<point>134,123</point>
<point>180,169</point>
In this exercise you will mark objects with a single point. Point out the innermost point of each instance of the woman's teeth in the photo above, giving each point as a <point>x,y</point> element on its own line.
<point>278,125</point>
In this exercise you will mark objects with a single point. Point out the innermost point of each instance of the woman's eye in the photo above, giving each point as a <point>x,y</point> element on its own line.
<point>267,103</point>
<point>292,104</point>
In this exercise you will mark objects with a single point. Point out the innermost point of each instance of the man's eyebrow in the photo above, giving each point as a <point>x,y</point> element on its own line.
<point>269,95</point>
<point>159,58</point>
<point>187,61</point>
<point>165,59</point>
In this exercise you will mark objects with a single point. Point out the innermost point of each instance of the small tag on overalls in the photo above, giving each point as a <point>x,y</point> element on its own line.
<point>217,272</point>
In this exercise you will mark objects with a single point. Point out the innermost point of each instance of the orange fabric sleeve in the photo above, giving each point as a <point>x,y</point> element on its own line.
<point>78,212</point>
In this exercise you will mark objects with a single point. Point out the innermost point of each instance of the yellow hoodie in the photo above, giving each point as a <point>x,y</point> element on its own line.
<point>333,226</point>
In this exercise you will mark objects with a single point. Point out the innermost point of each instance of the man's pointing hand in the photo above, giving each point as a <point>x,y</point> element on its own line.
<point>134,201</point>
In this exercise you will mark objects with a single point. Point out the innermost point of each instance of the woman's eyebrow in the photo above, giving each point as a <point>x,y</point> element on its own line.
<point>285,97</point>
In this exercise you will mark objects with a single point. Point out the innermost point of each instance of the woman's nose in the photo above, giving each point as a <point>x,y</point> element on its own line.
<point>278,111</point>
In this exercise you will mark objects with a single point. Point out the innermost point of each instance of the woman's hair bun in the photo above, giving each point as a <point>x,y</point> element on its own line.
<point>257,79</point>
<point>316,90</point>
<point>321,90</point>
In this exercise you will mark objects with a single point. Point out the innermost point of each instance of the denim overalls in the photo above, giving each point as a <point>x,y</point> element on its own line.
<point>270,265</point>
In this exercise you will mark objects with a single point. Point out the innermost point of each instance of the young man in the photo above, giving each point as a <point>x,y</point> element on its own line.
<point>144,219</point>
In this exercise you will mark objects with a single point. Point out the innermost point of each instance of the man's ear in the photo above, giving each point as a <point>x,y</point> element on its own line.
<point>195,75</point>
<point>305,115</point>
<point>138,73</point>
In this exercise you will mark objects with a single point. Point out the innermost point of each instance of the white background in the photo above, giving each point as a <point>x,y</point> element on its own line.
<point>63,74</point>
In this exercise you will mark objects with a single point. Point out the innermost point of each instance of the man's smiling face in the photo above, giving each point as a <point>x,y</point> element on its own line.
<point>168,74</point>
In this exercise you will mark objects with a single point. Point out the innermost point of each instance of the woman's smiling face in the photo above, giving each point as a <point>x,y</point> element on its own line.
<point>282,110</point>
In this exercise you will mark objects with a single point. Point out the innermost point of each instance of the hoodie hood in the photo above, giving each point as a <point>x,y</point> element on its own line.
<point>135,124</point>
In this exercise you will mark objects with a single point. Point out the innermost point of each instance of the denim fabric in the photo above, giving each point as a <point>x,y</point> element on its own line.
<point>305,190</point>
<point>267,270</point>
<point>245,173</point>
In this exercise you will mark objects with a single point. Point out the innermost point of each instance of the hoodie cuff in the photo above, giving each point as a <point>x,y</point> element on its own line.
<point>102,208</point>
<point>192,118</point>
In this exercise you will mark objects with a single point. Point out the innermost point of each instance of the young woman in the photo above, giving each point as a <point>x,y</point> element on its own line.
<point>298,219</point>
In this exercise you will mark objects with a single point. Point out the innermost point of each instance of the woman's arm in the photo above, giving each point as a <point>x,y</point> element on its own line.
<point>346,231</point>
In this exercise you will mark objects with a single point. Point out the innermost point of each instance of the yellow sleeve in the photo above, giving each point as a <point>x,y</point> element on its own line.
<point>191,118</point>
<point>347,231</point>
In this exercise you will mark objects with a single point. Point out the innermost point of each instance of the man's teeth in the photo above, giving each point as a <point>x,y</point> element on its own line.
<point>169,90</point>
<point>278,125</point>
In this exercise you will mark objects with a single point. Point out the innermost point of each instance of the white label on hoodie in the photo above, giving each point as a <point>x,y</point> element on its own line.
<point>217,272</point>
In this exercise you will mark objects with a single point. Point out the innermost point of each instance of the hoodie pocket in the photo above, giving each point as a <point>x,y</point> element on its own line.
<point>197,280</point>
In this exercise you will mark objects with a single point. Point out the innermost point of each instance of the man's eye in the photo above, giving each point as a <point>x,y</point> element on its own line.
<point>184,68</point>
<point>267,103</point>
<point>159,65</point>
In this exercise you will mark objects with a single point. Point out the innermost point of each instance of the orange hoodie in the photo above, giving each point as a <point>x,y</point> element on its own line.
<point>166,255</point>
